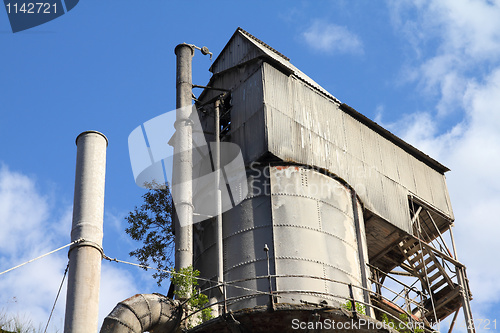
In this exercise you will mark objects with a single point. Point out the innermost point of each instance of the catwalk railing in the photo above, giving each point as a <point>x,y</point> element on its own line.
<point>381,308</point>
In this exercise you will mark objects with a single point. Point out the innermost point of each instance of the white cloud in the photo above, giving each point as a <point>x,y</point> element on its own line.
<point>471,27</point>
<point>462,72</point>
<point>453,41</point>
<point>116,286</point>
<point>331,38</point>
<point>31,227</point>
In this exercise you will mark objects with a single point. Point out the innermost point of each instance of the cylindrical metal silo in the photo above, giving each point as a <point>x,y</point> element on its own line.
<point>306,219</point>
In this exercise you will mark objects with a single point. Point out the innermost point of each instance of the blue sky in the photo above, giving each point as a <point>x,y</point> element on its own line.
<point>428,71</point>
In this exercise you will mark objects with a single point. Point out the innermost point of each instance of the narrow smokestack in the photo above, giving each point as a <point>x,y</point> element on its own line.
<point>183,160</point>
<point>82,300</point>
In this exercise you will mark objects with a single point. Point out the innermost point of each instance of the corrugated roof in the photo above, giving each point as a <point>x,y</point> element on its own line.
<point>277,58</point>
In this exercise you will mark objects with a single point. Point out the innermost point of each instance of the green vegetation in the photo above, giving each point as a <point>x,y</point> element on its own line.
<point>152,224</point>
<point>403,327</point>
<point>16,324</point>
<point>187,287</point>
<point>360,308</point>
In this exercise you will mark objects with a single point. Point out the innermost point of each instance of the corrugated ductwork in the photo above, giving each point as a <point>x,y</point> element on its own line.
<point>144,313</point>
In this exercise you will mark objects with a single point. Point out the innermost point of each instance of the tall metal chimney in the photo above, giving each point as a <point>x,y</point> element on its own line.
<point>183,161</point>
<point>82,300</point>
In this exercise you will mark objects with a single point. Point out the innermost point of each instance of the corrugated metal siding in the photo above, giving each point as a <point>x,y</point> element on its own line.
<point>247,117</point>
<point>422,180</point>
<point>396,203</point>
<point>352,129</point>
<point>388,155</point>
<point>370,163</point>
<point>282,140</point>
<point>247,99</point>
<point>239,50</point>
<point>441,199</point>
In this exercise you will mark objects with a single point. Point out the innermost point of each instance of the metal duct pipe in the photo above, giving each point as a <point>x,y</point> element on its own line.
<point>82,300</point>
<point>144,312</point>
<point>220,249</point>
<point>183,160</point>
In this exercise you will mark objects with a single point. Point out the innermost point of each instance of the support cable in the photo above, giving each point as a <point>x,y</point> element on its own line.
<point>57,297</point>
<point>173,272</point>
<point>43,255</point>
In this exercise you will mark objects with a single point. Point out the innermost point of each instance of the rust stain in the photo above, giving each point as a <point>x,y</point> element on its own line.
<point>286,167</point>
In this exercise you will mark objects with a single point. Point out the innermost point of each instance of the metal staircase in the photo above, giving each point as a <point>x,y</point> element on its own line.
<point>424,258</point>
<point>433,269</point>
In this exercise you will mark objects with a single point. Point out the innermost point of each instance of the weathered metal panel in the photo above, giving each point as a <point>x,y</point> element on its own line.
<point>405,170</point>
<point>293,142</point>
<point>371,148</point>
<point>422,183</point>
<point>285,139</point>
<point>246,229</point>
<point>311,208</point>
<point>440,198</point>
<point>369,157</point>
<point>287,208</point>
<point>237,51</point>
<point>374,193</point>
<point>354,143</point>
<point>255,131</point>
<point>276,88</point>
<point>447,195</point>
<point>396,201</point>
<point>247,99</point>
<point>305,103</point>
<point>297,132</point>
<point>388,156</point>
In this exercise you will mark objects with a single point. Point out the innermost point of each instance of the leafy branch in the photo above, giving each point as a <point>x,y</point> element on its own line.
<point>186,283</point>
<point>152,225</point>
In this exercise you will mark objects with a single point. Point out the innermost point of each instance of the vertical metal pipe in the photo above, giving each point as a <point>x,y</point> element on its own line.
<point>82,300</point>
<point>464,291</point>
<point>271,298</point>
<point>361,253</point>
<point>220,252</point>
<point>183,159</point>
<point>453,243</point>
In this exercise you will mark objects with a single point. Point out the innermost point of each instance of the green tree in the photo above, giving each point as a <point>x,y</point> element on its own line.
<point>151,224</point>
